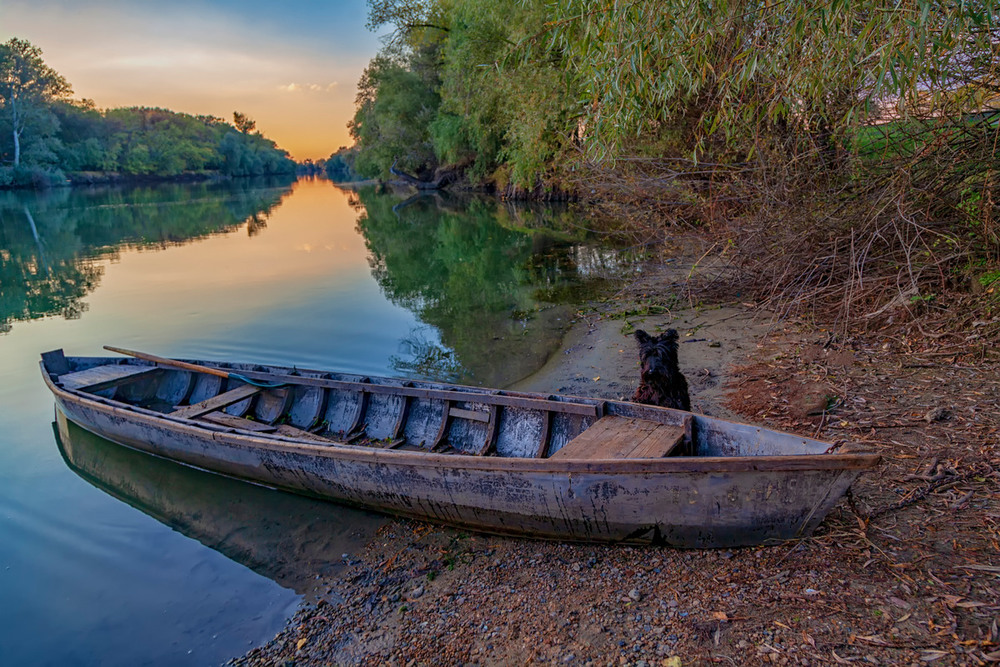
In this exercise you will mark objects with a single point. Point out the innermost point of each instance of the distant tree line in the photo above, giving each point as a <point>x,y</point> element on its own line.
<point>45,136</point>
<point>339,167</point>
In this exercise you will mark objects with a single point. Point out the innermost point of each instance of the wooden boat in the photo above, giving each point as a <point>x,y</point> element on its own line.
<point>547,466</point>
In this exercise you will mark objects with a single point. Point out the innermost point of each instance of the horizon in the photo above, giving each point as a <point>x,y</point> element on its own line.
<point>293,70</point>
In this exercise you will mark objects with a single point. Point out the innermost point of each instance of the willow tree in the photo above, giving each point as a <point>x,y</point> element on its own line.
<point>27,87</point>
<point>851,146</point>
<point>731,68</point>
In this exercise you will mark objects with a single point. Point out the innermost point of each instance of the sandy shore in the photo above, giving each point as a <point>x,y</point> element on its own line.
<point>910,575</point>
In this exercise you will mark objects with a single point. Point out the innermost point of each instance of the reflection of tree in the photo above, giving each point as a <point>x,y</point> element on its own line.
<point>256,223</point>
<point>50,241</point>
<point>488,288</point>
<point>424,358</point>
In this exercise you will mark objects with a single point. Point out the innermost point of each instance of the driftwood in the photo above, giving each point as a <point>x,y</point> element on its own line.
<point>442,178</point>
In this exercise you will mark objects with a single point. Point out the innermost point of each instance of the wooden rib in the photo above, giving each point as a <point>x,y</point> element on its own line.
<point>492,431</point>
<point>404,410</point>
<point>226,419</point>
<point>474,415</point>
<point>585,409</point>
<point>359,415</point>
<point>100,378</point>
<point>216,402</point>
<point>398,442</point>
<point>443,428</point>
<point>543,440</point>
<point>283,394</point>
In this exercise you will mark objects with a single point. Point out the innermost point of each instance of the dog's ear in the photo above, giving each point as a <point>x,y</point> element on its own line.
<point>642,336</point>
<point>670,335</point>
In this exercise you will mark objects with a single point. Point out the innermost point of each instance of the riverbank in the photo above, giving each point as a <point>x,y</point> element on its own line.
<point>909,574</point>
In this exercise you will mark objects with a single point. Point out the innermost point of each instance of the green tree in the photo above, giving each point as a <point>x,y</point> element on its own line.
<point>27,87</point>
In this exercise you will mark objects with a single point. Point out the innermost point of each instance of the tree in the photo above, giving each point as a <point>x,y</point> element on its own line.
<point>244,123</point>
<point>27,87</point>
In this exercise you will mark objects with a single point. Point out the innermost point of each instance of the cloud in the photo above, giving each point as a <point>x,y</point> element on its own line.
<point>308,87</point>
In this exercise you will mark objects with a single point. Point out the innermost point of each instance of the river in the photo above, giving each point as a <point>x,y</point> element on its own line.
<point>109,557</point>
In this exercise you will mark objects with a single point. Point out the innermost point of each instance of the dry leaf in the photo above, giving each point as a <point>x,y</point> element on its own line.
<point>299,644</point>
<point>720,616</point>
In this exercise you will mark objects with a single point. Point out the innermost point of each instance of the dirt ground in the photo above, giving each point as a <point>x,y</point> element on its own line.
<point>906,571</point>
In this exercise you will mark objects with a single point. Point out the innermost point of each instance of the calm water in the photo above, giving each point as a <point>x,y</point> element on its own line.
<point>109,557</point>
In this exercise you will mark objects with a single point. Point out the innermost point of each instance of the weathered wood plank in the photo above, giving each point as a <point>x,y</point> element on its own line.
<point>616,437</point>
<point>659,443</point>
<point>589,441</point>
<point>100,378</point>
<point>623,438</point>
<point>475,415</point>
<point>224,419</point>
<point>293,432</point>
<point>216,402</point>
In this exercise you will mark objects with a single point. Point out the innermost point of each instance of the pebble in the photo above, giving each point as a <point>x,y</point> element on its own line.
<point>416,592</point>
<point>635,594</point>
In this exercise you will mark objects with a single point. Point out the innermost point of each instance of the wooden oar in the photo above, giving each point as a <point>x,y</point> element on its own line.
<point>194,367</point>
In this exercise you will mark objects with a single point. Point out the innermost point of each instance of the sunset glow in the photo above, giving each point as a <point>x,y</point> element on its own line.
<point>292,68</point>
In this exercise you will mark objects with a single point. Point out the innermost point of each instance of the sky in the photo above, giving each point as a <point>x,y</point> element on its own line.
<point>291,66</point>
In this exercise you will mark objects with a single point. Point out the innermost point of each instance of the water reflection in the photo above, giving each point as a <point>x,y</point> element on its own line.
<point>286,538</point>
<point>465,289</point>
<point>498,282</point>
<point>49,240</point>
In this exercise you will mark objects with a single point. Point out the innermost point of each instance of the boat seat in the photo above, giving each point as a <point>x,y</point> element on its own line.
<point>615,437</point>
<point>100,378</point>
<point>216,402</point>
<point>225,419</point>
<point>293,432</point>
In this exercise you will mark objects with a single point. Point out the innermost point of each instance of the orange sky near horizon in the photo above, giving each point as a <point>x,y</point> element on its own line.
<point>293,70</point>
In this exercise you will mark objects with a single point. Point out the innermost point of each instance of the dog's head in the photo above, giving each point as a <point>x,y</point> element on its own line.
<point>656,352</point>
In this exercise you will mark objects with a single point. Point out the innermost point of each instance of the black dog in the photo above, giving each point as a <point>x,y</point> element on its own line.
<point>662,382</point>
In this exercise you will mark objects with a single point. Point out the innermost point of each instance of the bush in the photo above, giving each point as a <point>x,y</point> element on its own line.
<point>31,177</point>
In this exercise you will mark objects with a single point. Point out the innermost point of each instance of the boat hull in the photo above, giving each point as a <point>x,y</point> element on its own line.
<point>694,502</point>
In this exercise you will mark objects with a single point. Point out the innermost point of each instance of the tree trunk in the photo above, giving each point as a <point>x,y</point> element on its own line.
<point>440,180</point>
<point>17,148</point>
